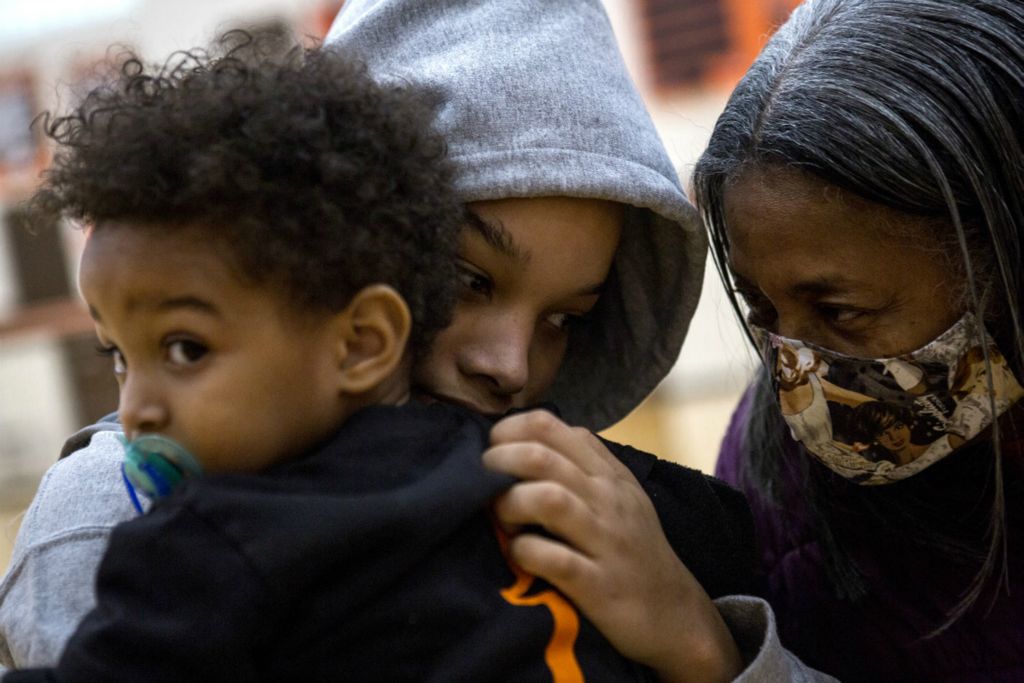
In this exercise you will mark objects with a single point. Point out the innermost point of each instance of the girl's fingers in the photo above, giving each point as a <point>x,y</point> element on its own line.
<point>553,507</point>
<point>604,547</point>
<point>576,444</point>
<point>534,461</point>
<point>571,485</point>
<point>559,564</point>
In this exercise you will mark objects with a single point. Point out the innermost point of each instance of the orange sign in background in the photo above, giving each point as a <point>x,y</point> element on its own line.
<point>707,43</point>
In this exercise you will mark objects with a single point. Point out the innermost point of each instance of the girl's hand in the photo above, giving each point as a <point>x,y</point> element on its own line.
<point>609,554</point>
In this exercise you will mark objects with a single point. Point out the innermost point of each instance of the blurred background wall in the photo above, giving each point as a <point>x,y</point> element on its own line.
<point>685,56</point>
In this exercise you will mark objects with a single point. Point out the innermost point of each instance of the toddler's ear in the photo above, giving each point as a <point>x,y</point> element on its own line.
<point>373,336</point>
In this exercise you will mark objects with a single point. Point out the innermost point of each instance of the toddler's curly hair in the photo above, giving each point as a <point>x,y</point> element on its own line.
<point>312,175</point>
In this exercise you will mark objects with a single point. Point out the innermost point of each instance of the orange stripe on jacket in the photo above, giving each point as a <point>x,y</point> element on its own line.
<point>559,654</point>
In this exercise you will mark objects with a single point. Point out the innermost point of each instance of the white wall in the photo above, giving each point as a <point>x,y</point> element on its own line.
<point>696,400</point>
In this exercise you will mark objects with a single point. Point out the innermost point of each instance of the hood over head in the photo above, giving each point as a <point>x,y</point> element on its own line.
<point>534,100</point>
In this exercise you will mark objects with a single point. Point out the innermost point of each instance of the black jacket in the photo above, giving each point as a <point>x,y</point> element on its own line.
<point>372,559</point>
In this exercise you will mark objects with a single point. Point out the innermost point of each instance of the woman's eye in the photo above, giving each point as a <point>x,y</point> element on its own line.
<point>838,315</point>
<point>114,353</point>
<point>185,352</point>
<point>761,317</point>
<point>474,282</point>
<point>760,311</point>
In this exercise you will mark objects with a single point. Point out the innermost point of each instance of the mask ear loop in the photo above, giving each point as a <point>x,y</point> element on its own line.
<point>154,466</point>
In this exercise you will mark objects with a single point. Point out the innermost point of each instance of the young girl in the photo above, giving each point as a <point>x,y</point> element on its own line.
<point>863,190</point>
<point>863,193</point>
<point>517,80</point>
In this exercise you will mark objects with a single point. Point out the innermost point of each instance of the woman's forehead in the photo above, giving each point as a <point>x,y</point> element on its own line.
<point>829,240</point>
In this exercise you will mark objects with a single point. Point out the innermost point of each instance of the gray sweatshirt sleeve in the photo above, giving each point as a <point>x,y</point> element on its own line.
<point>752,624</point>
<point>49,584</point>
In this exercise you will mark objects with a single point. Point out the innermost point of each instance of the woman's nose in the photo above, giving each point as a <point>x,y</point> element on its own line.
<point>141,408</point>
<point>791,325</point>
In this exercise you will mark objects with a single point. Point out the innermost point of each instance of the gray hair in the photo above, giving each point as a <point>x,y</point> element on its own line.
<point>912,104</point>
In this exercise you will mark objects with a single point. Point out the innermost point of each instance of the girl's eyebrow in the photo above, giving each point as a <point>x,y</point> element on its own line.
<point>496,235</point>
<point>592,290</point>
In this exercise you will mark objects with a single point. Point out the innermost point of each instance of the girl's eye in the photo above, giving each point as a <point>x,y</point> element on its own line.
<point>185,352</point>
<point>475,283</point>
<point>120,366</point>
<point>564,321</point>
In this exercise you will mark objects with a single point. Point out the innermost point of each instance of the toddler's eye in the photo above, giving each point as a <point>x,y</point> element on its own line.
<point>114,353</point>
<point>185,352</point>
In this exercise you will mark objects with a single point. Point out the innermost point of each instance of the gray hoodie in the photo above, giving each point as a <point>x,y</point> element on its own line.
<point>534,100</point>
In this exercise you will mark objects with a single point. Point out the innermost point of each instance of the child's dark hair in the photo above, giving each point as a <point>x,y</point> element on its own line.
<point>313,175</point>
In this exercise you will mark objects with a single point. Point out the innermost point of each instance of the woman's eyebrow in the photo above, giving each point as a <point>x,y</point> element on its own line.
<point>496,235</point>
<point>824,285</point>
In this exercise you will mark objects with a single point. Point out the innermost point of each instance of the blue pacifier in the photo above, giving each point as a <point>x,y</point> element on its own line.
<point>154,465</point>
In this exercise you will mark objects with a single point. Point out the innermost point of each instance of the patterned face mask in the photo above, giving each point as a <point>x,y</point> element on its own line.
<point>878,421</point>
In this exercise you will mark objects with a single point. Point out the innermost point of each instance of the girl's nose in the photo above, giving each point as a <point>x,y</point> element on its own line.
<point>501,356</point>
